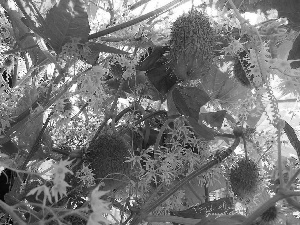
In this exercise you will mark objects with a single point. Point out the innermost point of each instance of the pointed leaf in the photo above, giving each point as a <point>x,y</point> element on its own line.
<point>200,129</point>
<point>66,20</point>
<point>215,119</point>
<point>188,100</point>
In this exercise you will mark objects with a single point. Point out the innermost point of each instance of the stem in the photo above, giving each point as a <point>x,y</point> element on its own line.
<point>272,201</point>
<point>279,157</point>
<point>138,4</point>
<point>293,178</point>
<point>149,207</point>
<point>174,219</point>
<point>11,212</point>
<point>134,21</point>
<point>245,147</point>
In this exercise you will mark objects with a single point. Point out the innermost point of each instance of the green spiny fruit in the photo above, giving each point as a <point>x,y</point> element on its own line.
<point>270,214</point>
<point>191,45</point>
<point>240,73</point>
<point>106,156</point>
<point>244,178</point>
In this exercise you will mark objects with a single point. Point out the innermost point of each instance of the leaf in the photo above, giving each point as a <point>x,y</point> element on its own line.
<point>96,48</point>
<point>66,20</point>
<point>151,60</point>
<point>220,206</point>
<point>200,129</point>
<point>219,85</point>
<point>188,100</point>
<point>172,110</point>
<point>290,132</point>
<point>161,76</point>
<point>215,119</point>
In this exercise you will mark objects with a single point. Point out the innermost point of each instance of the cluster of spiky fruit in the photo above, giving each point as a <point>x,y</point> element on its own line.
<point>106,155</point>
<point>244,178</point>
<point>191,45</point>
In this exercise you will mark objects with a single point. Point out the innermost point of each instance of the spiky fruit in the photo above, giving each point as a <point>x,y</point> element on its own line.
<point>244,178</point>
<point>270,214</point>
<point>191,45</point>
<point>106,156</point>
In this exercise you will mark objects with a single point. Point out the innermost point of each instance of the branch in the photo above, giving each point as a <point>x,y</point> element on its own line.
<point>134,21</point>
<point>281,194</point>
<point>292,179</point>
<point>10,211</point>
<point>216,160</point>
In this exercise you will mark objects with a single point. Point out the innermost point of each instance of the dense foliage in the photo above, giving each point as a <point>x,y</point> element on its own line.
<point>112,114</point>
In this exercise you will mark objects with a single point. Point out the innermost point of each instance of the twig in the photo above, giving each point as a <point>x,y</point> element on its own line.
<point>279,160</point>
